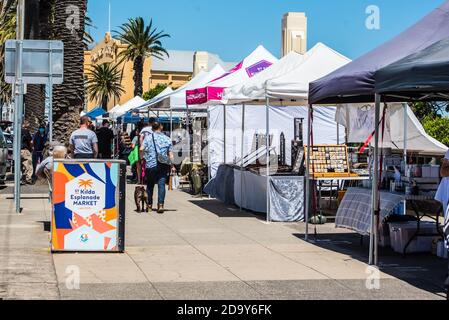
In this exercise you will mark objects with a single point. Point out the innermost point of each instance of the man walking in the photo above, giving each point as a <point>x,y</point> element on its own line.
<point>25,154</point>
<point>147,130</point>
<point>105,137</point>
<point>39,141</point>
<point>84,142</point>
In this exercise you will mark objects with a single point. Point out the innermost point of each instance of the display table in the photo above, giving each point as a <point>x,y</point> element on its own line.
<point>249,190</point>
<point>354,212</point>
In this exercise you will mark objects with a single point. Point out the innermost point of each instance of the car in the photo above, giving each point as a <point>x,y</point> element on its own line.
<point>3,157</point>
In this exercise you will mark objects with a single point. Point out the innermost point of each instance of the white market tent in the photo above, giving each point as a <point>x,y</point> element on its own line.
<point>254,88</point>
<point>177,99</point>
<point>259,60</point>
<point>289,80</point>
<point>318,62</point>
<point>117,112</point>
<point>359,121</point>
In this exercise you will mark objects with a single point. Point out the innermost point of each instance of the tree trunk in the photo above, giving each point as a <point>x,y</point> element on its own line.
<point>104,103</point>
<point>37,16</point>
<point>138,75</point>
<point>69,97</point>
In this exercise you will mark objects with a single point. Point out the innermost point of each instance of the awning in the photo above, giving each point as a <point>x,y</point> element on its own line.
<point>354,83</point>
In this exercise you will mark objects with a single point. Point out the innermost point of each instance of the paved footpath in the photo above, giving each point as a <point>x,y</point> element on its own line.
<point>201,249</point>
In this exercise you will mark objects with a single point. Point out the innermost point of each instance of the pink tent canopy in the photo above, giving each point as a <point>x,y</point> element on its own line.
<point>257,61</point>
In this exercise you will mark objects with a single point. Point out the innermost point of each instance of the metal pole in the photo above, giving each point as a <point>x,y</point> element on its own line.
<point>50,94</point>
<point>307,193</point>
<point>171,124</point>
<point>224,134</point>
<point>338,134</point>
<point>209,167</point>
<point>405,145</point>
<point>405,132</point>
<point>267,104</point>
<point>241,157</point>
<point>19,102</point>
<point>375,210</point>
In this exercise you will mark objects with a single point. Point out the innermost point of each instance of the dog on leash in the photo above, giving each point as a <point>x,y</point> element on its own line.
<point>141,199</point>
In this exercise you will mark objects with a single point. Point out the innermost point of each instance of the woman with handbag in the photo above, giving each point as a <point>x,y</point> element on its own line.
<point>158,154</point>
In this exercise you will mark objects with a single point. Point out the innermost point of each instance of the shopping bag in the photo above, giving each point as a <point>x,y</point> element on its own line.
<point>175,182</point>
<point>134,156</point>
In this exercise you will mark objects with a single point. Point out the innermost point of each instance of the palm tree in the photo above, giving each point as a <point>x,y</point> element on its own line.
<point>7,31</point>
<point>68,26</point>
<point>38,14</point>
<point>143,42</point>
<point>104,82</point>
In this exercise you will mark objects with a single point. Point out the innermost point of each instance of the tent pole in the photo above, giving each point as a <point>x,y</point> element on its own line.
<point>171,125</point>
<point>338,134</point>
<point>268,156</point>
<point>241,157</point>
<point>376,199</point>
<point>224,134</point>
<point>405,132</point>
<point>209,167</point>
<point>308,175</point>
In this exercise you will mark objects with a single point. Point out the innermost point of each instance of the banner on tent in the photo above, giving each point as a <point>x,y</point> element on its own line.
<point>257,68</point>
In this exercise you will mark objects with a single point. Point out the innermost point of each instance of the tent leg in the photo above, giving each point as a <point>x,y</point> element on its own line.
<point>241,157</point>
<point>405,145</point>
<point>224,134</point>
<point>374,260</point>
<point>268,157</point>
<point>171,125</point>
<point>209,165</point>
<point>308,176</point>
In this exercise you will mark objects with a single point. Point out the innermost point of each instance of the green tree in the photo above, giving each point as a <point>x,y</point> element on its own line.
<point>437,127</point>
<point>7,32</point>
<point>433,109</point>
<point>104,82</point>
<point>150,94</point>
<point>143,42</point>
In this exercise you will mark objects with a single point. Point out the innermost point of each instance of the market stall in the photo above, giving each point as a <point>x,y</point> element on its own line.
<point>355,83</point>
<point>251,98</point>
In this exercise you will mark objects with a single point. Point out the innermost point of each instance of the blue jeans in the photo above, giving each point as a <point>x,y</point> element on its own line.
<point>156,176</point>
<point>37,158</point>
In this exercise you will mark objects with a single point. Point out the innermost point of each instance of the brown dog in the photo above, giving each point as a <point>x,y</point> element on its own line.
<point>141,198</point>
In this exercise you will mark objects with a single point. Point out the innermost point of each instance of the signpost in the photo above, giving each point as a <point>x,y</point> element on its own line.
<point>30,62</point>
<point>88,206</point>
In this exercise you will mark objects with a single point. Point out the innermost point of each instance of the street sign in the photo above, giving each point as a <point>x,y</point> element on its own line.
<point>42,60</point>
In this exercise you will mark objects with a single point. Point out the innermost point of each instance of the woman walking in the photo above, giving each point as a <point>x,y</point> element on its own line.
<point>158,154</point>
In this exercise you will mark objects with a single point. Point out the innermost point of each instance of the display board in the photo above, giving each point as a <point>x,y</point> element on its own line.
<point>329,161</point>
<point>88,206</point>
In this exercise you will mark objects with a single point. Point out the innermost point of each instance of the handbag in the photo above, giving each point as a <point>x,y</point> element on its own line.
<point>162,159</point>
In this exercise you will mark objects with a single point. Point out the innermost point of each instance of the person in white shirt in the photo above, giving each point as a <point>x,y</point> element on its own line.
<point>443,190</point>
<point>147,130</point>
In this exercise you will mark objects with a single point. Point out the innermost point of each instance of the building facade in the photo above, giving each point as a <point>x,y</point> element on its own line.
<point>107,51</point>
<point>175,70</point>
<point>294,33</point>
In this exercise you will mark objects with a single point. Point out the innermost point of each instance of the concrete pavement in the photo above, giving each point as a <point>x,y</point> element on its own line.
<point>202,249</point>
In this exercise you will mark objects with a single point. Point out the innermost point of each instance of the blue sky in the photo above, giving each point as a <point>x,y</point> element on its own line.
<point>233,28</point>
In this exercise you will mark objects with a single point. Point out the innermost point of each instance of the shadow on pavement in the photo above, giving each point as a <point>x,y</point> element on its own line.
<point>225,211</point>
<point>423,271</point>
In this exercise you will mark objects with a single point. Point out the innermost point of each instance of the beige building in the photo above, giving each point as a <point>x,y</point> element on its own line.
<point>294,33</point>
<point>107,51</point>
<point>175,70</point>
